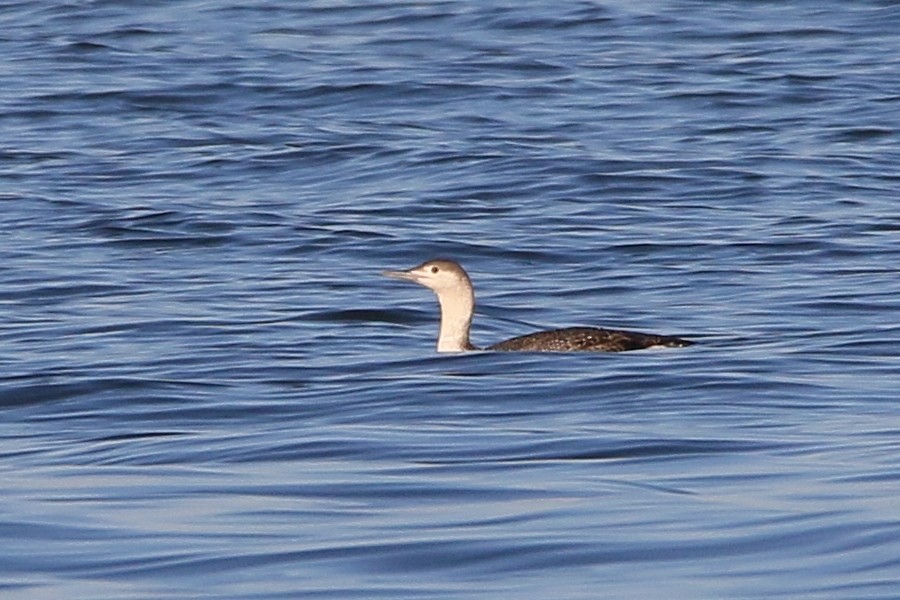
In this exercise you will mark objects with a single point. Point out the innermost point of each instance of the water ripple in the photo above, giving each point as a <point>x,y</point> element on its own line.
<point>209,390</point>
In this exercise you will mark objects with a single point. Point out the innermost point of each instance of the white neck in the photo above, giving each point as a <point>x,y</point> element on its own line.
<point>457,306</point>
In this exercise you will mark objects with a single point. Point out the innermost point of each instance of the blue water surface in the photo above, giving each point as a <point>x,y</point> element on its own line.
<point>208,391</point>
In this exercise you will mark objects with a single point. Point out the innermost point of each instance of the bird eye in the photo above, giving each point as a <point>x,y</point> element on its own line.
<point>434,269</point>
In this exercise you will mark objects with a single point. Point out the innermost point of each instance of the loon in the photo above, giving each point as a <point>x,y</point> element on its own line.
<point>450,282</point>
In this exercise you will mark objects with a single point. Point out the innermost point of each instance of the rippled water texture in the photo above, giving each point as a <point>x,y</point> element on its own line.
<point>208,391</point>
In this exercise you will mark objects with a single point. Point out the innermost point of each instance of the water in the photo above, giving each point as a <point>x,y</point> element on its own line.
<point>207,391</point>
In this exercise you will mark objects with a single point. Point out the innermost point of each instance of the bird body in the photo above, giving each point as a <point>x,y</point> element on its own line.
<point>578,339</point>
<point>450,282</point>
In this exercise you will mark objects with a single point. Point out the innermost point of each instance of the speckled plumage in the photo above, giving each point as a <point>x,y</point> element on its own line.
<point>450,282</point>
<point>580,339</point>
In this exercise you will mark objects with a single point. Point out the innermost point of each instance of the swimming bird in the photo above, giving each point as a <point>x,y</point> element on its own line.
<point>450,282</point>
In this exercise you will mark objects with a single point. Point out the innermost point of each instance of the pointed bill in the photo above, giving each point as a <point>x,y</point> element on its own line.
<point>405,275</point>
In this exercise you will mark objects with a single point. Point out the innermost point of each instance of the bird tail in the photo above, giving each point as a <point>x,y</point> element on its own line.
<point>673,342</point>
